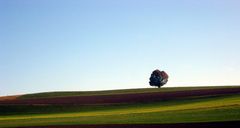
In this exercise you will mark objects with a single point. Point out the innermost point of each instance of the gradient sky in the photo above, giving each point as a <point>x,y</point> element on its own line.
<point>66,45</point>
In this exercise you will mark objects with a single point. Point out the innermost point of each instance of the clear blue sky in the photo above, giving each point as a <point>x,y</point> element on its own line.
<point>65,45</point>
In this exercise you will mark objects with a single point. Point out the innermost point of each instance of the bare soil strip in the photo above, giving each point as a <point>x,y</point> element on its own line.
<point>4,98</point>
<point>229,124</point>
<point>121,98</point>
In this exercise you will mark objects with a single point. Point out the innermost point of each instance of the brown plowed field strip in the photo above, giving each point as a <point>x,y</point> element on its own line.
<point>121,98</point>
<point>230,124</point>
<point>9,97</point>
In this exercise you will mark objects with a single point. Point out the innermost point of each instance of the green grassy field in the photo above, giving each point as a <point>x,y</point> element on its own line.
<point>114,92</point>
<point>193,109</point>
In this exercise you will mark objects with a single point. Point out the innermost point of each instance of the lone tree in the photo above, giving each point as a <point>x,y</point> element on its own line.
<point>158,78</point>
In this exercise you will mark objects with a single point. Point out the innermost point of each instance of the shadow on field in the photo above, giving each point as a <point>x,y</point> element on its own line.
<point>229,124</point>
<point>121,98</point>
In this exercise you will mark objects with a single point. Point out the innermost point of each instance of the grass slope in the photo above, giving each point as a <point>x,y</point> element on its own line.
<point>194,109</point>
<point>114,92</point>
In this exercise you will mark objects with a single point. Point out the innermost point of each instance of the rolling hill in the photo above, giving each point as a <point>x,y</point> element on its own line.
<point>176,107</point>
